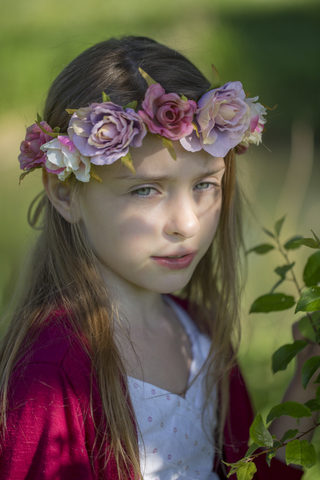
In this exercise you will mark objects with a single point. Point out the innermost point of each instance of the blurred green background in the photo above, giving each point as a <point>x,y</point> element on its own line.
<point>272,46</point>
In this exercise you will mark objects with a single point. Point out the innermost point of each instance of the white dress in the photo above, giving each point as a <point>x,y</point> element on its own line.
<point>174,443</point>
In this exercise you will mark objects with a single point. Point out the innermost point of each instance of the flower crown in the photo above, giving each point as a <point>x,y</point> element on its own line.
<point>102,133</point>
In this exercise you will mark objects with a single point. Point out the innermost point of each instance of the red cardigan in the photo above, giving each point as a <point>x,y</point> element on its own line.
<point>50,428</point>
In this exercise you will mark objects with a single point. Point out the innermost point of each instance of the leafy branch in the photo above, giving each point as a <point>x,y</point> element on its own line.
<point>298,450</point>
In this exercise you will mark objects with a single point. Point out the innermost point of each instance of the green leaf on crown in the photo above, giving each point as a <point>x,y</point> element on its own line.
<point>311,273</point>
<point>292,409</point>
<point>259,434</point>
<point>132,105</point>
<point>24,174</point>
<point>71,111</point>
<point>94,175</point>
<point>301,453</point>
<point>309,368</point>
<point>183,97</point>
<point>196,129</point>
<point>39,118</point>
<point>272,302</point>
<point>51,134</point>
<point>216,83</point>
<point>168,145</point>
<point>147,78</point>
<point>127,161</point>
<point>278,225</point>
<point>261,249</point>
<point>309,300</point>
<point>292,244</point>
<point>246,471</point>
<point>105,97</point>
<point>283,356</point>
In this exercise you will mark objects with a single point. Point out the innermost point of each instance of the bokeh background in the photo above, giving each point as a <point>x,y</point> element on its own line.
<point>272,46</point>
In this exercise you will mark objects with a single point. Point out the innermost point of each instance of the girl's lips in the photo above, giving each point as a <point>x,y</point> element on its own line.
<point>175,263</point>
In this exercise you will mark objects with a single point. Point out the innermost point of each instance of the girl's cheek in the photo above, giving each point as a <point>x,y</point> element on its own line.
<point>137,227</point>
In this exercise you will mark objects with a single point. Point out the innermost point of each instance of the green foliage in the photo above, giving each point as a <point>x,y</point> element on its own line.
<point>282,271</point>
<point>293,409</point>
<point>261,249</point>
<point>306,326</point>
<point>292,244</point>
<point>283,356</point>
<point>301,453</point>
<point>313,405</point>
<point>289,434</point>
<point>272,302</point>
<point>311,273</point>
<point>309,368</point>
<point>259,434</point>
<point>309,300</point>
<point>253,447</point>
<point>316,238</point>
<point>246,471</point>
<point>318,395</point>
<point>278,225</point>
<point>308,242</point>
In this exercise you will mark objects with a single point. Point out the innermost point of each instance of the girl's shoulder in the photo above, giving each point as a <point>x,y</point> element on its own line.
<point>54,343</point>
<point>56,361</point>
<point>50,424</point>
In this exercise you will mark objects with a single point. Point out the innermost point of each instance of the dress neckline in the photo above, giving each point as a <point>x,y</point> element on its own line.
<point>191,331</point>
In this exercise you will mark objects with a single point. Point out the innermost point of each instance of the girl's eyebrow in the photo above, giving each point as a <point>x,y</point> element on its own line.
<point>162,178</point>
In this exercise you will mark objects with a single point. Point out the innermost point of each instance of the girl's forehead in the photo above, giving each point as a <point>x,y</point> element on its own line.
<point>153,161</point>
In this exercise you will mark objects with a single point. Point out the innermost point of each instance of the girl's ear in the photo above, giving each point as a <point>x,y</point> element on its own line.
<point>59,194</point>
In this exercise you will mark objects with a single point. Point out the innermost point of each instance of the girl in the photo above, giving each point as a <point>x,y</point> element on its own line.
<point>103,373</point>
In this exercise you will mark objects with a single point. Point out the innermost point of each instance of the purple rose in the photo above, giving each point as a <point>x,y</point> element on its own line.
<point>31,155</point>
<point>166,113</point>
<point>222,117</point>
<point>104,131</point>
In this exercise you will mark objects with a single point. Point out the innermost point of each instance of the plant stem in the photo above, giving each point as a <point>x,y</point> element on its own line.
<point>284,444</point>
<point>295,281</point>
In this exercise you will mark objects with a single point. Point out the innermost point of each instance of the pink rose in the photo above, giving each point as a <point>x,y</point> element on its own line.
<point>167,114</point>
<point>31,155</point>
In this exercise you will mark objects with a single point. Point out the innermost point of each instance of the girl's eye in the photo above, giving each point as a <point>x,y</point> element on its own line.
<point>204,186</point>
<point>143,191</point>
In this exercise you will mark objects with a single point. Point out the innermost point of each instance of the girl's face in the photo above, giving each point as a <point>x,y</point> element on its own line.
<point>150,230</point>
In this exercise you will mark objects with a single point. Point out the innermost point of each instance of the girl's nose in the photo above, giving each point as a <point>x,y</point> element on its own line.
<point>182,218</point>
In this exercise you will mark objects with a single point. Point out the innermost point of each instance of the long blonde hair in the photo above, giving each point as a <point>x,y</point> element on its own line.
<point>65,270</point>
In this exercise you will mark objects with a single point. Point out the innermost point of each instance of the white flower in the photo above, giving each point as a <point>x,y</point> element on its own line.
<point>257,121</point>
<point>63,159</point>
